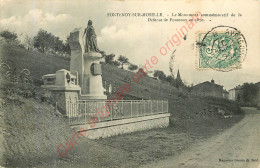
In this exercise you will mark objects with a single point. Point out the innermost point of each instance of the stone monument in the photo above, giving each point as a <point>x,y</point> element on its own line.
<point>63,88</point>
<point>85,60</point>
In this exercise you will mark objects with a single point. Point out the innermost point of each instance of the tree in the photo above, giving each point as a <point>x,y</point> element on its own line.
<point>249,93</point>
<point>43,40</point>
<point>47,41</point>
<point>123,60</point>
<point>159,74</point>
<point>109,59</point>
<point>29,42</point>
<point>10,37</point>
<point>66,47</point>
<point>57,44</point>
<point>115,63</point>
<point>132,67</point>
<point>170,79</point>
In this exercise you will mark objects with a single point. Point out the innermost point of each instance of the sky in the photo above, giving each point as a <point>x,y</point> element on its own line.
<point>138,39</point>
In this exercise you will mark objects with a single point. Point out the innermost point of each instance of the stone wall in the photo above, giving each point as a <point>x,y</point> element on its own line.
<point>61,97</point>
<point>117,127</point>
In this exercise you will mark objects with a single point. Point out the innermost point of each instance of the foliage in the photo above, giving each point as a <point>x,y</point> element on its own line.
<point>248,94</point>
<point>28,41</point>
<point>132,67</point>
<point>116,63</point>
<point>9,74</point>
<point>160,75</point>
<point>10,37</point>
<point>66,47</point>
<point>123,60</point>
<point>109,59</point>
<point>229,105</point>
<point>45,41</point>
<point>170,79</point>
<point>12,84</point>
<point>20,90</point>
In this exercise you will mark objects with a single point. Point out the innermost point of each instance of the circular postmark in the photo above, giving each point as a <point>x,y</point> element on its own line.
<point>223,48</point>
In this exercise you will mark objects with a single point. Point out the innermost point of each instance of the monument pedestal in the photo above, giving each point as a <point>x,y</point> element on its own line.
<point>63,89</point>
<point>92,87</point>
<point>87,65</point>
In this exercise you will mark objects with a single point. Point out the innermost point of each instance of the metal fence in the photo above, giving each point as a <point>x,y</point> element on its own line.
<point>81,112</point>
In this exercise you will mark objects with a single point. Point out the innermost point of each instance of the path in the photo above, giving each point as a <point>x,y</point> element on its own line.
<point>233,146</point>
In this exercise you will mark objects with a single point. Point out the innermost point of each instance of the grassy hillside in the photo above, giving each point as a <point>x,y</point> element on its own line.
<point>41,64</point>
<point>32,130</point>
<point>147,88</point>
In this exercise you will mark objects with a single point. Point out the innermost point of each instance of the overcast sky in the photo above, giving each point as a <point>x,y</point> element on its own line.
<point>138,39</point>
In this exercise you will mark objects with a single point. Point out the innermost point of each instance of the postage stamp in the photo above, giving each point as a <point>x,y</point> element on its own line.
<point>223,48</point>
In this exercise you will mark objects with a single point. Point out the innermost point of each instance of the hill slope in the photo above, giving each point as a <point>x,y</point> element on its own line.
<point>31,132</point>
<point>41,64</point>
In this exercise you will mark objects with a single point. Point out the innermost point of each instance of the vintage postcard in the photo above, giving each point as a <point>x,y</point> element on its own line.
<point>122,84</point>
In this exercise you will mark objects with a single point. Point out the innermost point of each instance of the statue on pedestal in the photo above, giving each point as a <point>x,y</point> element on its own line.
<point>91,38</point>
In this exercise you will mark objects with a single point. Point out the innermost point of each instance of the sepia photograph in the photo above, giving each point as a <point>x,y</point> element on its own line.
<point>130,84</point>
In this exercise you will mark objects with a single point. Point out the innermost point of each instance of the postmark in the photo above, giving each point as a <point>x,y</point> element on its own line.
<point>223,48</point>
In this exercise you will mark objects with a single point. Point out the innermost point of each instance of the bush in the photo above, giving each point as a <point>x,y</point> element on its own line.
<point>10,37</point>
<point>231,106</point>
<point>23,90</point>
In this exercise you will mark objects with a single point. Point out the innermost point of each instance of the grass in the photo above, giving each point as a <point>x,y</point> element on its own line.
<point>192,120</point>
<point>31,132</point>
<point>154,145</point>
<point>41,64</point>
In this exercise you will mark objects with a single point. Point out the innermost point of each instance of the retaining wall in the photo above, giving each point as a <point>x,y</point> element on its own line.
<point>117,127</point>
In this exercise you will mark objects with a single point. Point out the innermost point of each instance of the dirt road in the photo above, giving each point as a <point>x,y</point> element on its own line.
<point>237,147</point>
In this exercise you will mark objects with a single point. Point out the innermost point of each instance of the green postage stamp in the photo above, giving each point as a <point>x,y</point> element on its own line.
<point>223,49</point>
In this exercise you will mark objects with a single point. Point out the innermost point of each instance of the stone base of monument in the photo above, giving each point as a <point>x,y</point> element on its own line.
<point>93,97</point>
<point>91,87</point>
<point>92,56</point>
<point>87,65</point>
<point>63,88</point>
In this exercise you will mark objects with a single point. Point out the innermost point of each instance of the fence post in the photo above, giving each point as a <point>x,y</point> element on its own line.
<point>141,107</point>
<point>112,113</point>
<point>167,106</point>
<point>162,106</point>
<point>85,112</point>
<point>56,106</point>
<point>137,109</point>
<point>157,107</point>
<point>72,111</point>
<point>122,109</point>
<point>76,112</point>
<point>69,111</point>
<point>151,107</point>
<point>144,108</point>
<point>131,109</point>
